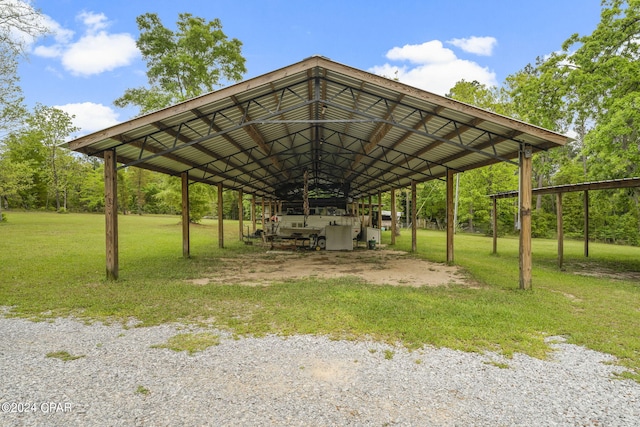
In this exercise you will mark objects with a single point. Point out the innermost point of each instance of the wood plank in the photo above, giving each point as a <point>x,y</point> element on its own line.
<point>186,246</point>
<point>560,230</point>
<point>253,212</point>
<point>394,216</point>
<point>586,224</point>
<point>450,219</point>
<point>111,213</point>
<point>379,210</point>
<point>220,219</point>
<point>240,214</point>
<point>583,186</point>
<point>495,225</point>
<point>414,219</point>
<point>525,218</point>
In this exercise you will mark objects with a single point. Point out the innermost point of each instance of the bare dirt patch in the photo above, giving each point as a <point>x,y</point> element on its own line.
<point>381,267</point>
<point>594,270</point>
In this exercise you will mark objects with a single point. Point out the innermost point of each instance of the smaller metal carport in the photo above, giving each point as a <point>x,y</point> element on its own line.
<point>559,190</point>
<point>353,133</point>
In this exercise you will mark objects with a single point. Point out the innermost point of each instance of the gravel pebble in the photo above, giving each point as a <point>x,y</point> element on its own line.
<point>120,380</point>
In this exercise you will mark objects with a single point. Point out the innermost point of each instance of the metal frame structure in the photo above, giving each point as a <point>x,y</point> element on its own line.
<point>355,134</point>
<point>558,190</point>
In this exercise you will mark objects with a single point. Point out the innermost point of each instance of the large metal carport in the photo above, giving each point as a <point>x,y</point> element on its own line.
<point>355,134</point>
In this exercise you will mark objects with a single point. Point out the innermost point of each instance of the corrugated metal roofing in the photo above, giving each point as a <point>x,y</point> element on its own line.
<point>354,132</point>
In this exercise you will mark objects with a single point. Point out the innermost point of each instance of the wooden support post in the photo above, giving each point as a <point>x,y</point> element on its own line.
<point>185,215</point>
<point>253,212</point>
<point>111,213</point>
<point>525,217</point>
<point>240,214</point>
<point>370,222</point>
<point>220,217</point>
<point>379,210</point>
<point>450,219</point>
<point>262,219</point>
<point>414,219</point>
<point>494,213</point>
<point>394,217</point>
<point>586,224</point>
<point>560,229</point>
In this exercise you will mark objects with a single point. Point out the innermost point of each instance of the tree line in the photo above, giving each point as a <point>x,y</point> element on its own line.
<point>589,87</point>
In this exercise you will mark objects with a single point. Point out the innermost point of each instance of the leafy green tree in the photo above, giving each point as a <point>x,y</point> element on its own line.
<point>15,177</point>
<point>53,126</point>
<point>474,207</point>
<point>24,146</point>
<point>431,201</point>
<point>195,59</point>
<point>479,95</point>
<point>91,189</point>
<point>602,92</point>
<point>200,197</point>
<point>11,99</point>
<point>19,21</point>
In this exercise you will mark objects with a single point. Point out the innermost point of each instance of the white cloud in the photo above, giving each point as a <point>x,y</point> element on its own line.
<point>482,46</point>
<point>429,52</point>
<point>95,52</point>
<point>90,117</point>
<point>93,21</point>
<point>54,72</point>
<point>60,34</point>
<point>48,51</point>
<point>434,67</point>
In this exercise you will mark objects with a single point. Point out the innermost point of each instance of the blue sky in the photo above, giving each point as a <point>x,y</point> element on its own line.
<point>91,59</point>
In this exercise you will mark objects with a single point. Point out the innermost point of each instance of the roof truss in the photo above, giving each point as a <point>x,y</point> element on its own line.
<point>355,133</point>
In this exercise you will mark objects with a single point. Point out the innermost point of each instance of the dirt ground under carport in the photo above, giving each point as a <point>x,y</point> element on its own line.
<point>380,267</point>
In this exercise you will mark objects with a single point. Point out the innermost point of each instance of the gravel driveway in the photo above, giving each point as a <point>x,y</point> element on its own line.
<point>120,380</point>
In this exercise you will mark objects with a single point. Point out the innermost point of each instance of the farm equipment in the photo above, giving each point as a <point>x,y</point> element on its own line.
<point>328,228</point>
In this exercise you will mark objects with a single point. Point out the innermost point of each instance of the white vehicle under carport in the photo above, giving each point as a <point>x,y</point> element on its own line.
<point>313,227</point>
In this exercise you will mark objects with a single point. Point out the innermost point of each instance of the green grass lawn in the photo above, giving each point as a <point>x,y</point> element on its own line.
<point>54,265</point>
